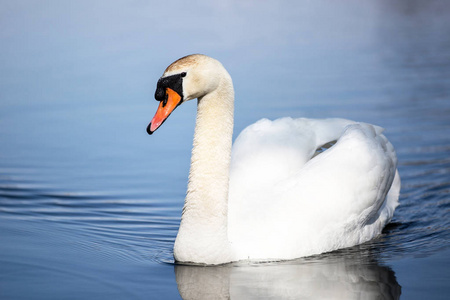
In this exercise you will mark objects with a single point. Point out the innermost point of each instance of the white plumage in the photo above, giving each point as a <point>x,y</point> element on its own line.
<point>285,204</point>
<point>277,199</point>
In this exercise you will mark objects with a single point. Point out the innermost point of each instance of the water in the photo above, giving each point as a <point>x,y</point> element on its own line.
<point>90,205</point>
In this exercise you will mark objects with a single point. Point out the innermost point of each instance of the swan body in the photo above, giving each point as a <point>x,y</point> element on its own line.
<point>272,197</point>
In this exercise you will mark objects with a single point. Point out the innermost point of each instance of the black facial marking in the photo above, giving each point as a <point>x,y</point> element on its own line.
<point>166,97</point>
<point>175,82</point>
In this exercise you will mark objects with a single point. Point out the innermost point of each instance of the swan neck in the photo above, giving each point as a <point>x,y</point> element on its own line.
<point>202,236</point>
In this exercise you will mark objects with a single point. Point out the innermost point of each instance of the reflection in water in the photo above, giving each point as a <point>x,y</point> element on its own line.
<point>333,276</point>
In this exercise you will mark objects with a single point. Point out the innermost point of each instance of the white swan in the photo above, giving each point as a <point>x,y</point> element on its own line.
<point>277,199</point>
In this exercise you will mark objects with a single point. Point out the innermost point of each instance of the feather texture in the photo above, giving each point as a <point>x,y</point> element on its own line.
<point>272,197</point>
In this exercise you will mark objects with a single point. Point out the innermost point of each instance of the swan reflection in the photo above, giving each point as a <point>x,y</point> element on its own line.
<point>331,276</point>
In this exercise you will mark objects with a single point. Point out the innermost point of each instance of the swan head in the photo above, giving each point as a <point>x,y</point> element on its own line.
<point>187,78</point>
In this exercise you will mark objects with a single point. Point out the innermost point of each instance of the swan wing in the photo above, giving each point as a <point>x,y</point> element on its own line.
<point>310,204</point>
<point>269,151</point>
<point>350,181</point>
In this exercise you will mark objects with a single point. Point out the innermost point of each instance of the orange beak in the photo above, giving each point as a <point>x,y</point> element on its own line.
<point>165,108</point>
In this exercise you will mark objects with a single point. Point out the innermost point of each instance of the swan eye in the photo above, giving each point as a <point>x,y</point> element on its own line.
<point>183,74</point>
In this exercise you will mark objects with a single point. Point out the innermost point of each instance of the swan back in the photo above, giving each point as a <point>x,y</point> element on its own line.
<point>308,205</point>
<point>269,151</point>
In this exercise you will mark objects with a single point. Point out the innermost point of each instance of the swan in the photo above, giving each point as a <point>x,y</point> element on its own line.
<point>273,196</point>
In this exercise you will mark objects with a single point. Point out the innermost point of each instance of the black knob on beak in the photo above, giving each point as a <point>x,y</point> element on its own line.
<point>160,94</point>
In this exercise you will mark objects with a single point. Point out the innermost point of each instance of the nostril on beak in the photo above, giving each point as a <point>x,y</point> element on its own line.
<point>166,96</point>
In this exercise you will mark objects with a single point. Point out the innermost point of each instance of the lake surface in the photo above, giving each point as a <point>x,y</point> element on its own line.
<point>90,204</point>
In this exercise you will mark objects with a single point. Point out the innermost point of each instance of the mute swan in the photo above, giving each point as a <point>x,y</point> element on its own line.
<point>273,197</point>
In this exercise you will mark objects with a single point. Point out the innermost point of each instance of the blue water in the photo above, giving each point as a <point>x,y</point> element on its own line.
<point>90,204</point>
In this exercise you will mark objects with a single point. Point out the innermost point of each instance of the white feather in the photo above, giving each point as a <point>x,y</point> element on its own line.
<point>278,200</point>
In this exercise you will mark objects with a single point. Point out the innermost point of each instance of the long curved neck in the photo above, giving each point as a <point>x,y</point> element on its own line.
<point>202,237</point>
